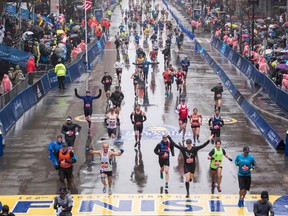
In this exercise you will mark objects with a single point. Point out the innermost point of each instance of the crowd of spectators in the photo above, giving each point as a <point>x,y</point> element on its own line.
<point>50,41</point>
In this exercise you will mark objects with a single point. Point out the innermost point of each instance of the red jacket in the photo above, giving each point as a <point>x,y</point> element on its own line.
<point>30,67</point>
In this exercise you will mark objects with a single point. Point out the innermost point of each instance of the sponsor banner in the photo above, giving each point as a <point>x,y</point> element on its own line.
<point>38,90</point>
<point>46,83</point>
<point>143,204</point>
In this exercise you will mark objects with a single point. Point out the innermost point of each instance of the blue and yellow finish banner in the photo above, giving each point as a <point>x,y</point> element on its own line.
<point>146,204</point>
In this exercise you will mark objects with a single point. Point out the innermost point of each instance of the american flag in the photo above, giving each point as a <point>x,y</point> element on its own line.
<point>88,4</point>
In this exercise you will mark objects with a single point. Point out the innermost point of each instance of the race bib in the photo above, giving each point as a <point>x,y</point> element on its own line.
<point>245,168</point>
<point>70,133</point>
<point>138,123</point>
<point>119,69</point>
<point>112,123</point>
<point>107,81</point>
<point>87,105</point>
<point>216,127</point>
<point>217,163</point>
<point>189,160</point>
<point>135,81</point>
<point>104,165</point>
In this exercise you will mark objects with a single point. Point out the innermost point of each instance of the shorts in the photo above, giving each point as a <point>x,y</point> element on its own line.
<point>107,88</point>
<point>164,162</point>
<point>216,132</point>
<point>189,168</point>
<point>66,173</point>
<point>185,69</point>
<point>111,131</point>
<point>214,169</point>
<point>168,83</point>
<point>184,121</point>
<point>87,112</point>
<point>138,128</point>
<point>179,82</point>
<point>198,126</point>
<point>108,173</point>
<point>70,142</point>
<point>244,182</point>
<point>118,72</point>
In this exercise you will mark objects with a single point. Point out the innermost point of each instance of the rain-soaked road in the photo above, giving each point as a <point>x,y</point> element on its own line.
<point>26,169</point>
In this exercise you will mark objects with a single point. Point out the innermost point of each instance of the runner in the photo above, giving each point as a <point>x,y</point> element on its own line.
<point>88,100</point>
<point>218,90</point>
<point>66,158</point>
<point>246,163</point>
<point>189,153</point>
<point>196,122</point>
<point>63,203</point>
<point>70,130</point>
<point>137,118</point>
<point>216,157</point>
<point>107,82</point>
<point>185,63</point>
<point>53,148</point>
<point>167,80</point>
<point>118,65</point>
<point>116,97</point>
<point>136,78</point>
<point>111,122</point>
<point>183,111</point>
<point>106,156</point>
<point>162,150</point>
<point>179,80</point>
<point>215,123</point>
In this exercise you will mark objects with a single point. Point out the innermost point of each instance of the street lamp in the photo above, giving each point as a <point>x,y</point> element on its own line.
<point>253,2</point>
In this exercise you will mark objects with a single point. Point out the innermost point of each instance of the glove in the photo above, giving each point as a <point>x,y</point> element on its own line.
<point>100,90</point>
<point>212,158</point>
<point>230,159</point>
<point>88,149</point>
<point>133,122</point>
<point>56,167</point>
<point>75,89</point>
<point>77,133</point>
<point>252,168</point>
<point>121,150</point>
<point>67,132</point>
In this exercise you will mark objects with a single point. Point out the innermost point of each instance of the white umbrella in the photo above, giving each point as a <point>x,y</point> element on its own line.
<point>26,34</point>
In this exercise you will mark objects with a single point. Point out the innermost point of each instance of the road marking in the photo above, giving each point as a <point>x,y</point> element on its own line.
<point>143,204</point>
<point>94,118</point>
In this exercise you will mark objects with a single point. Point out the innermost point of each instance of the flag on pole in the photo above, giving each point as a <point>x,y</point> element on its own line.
<point>87,4</point>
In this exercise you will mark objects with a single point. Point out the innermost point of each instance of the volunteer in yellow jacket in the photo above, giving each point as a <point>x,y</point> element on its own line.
<point>216,157</point>
<point>60,71</point>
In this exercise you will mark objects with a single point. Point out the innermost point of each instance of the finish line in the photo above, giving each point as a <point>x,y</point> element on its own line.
<point>146,204</point>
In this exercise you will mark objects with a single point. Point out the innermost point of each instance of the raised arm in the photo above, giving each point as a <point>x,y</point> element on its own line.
<point>99,94</point>
<point>174,144</point>
<point>205,144</point>
<point>76,94</point>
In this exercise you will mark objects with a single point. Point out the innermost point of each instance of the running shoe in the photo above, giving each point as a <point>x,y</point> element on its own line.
<point>166,185</point>
<point>179,131</point>
<point>109,191</point>
<point>198,140</point>
<point>213,184</point>
<point>219,189</point>
<point>187,195</point>
<point>161,175</point>
<point>241,203</point>
<point>212,142</point>
<point>104,189</point>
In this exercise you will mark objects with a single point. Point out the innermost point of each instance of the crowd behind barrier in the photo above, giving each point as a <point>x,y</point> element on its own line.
<point>33,94</point>
<point>266,130</point>
<point>249,70</point>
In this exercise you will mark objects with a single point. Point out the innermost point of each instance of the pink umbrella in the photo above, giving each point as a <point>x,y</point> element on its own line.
<point>193,23</point>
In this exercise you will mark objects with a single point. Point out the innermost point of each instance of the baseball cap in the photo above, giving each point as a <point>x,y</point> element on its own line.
<point>68,118</point>
<point>246,149</point>
<point>65,144</point>
<point>264,195</point>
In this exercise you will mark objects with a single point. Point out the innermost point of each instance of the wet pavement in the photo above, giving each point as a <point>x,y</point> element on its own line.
<point>26,169</point>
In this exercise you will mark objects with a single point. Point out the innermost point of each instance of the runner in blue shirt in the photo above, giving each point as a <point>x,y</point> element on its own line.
<point>246,163</point>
